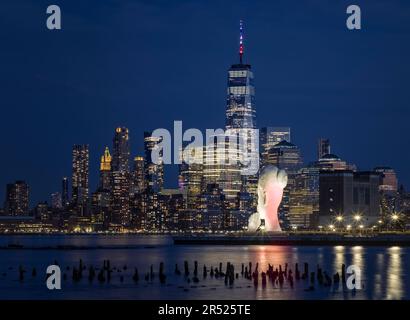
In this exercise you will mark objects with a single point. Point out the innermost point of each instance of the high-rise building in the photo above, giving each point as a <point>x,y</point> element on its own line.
<point>105,170</point>
<point>120,178</point>
<point>80,166</point>
<point>390,198</point>
<point>323,148</point>
<point>138,194</point>
<point>191,175</point>
<point>172,202</point>
<point>240,108</point>
<point>64,192</point>
<point>56,200</point>
<point>121,150</point>
<point>42,211</point>
<point>348,198</point>
<point>138,175</point>
<point>152,213</point>
<point>221,166</point>
<point>388,179</point>
<point>304,199</point>
<point>154,171</point>
<point>101,208</point>
<point>17,199</point>
<point>120,198</point>
<point>237,219</point>
<point>286,156</point>
<point>271,136</point>
<point>212,207</point>
<point>224,161</point>
<point>331,162</point>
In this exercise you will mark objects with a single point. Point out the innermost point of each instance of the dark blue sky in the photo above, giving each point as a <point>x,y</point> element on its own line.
<point>144,64</point>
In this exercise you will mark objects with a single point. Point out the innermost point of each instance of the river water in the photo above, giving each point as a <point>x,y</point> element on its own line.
<point>384,270</point>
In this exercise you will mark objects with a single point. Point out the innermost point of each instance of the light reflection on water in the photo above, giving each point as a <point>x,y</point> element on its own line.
<point>384,269</point>
<point>394,273</point>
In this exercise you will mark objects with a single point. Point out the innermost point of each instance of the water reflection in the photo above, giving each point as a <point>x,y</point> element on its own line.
<point>357,260</point>
<point>384,271</point>
<point>378,279</point>
<point>394,274</point>
<point>339,257</point>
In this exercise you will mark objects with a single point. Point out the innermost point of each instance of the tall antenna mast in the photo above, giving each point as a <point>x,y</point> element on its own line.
<point>240,41</point>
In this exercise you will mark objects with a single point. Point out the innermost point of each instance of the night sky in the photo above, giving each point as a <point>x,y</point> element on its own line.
<point>144,64</point>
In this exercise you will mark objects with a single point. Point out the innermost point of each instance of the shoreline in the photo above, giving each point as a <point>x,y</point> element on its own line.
<point>275,239</point>
<point>381,240</point>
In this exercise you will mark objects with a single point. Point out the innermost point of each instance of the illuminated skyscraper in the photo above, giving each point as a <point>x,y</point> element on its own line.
<point>154,172</point>
<point>212,206</point>
<point>121,150</point>
<point>304,198</point>
<point>105,170</point>
<point>120,177</point>
<point>240,107</point>
<point>191,172</point>
<point>17,199</point>
<point>286,156</point>
<point>271,136</point>
<point>221,166</point>
<point>80,166</point>
<point>120,198</point>
<point>225,167</point>
<point>101,199</point>
<point>138,175</point>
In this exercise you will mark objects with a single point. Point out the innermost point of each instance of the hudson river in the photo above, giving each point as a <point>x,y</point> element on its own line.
<point>384,270</point>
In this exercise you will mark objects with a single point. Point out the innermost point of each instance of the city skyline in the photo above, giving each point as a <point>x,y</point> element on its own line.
<point>214,195</point>
<point>44,177</point>
<point>235,154</point>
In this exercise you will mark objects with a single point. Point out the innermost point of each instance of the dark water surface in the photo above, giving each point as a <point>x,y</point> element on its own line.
<point>385,270</point>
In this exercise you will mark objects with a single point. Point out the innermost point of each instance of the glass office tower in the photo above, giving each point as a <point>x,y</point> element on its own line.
<point>241,119</point>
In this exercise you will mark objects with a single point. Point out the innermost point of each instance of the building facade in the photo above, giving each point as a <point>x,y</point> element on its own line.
<point>271,136</point>
<point>105,170</point>
<point>64,192</point>
<point>349,198</point>
<point>154,170</point>
<point>80,174</point>
<point>17,199</point>
<point>120,178</point>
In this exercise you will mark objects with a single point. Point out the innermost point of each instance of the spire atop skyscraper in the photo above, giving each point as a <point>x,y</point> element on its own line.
<point>240,41</point>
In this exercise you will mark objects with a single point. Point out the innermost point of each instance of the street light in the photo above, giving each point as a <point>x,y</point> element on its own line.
<point>339,218</point>
<point>395,217</point>
<point>357,217</point>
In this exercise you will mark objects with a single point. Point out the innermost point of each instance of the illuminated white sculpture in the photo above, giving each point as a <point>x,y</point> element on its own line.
<point>271,183</point>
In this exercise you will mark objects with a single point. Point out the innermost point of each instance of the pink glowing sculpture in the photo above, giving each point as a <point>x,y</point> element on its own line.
<point>271,183</point>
